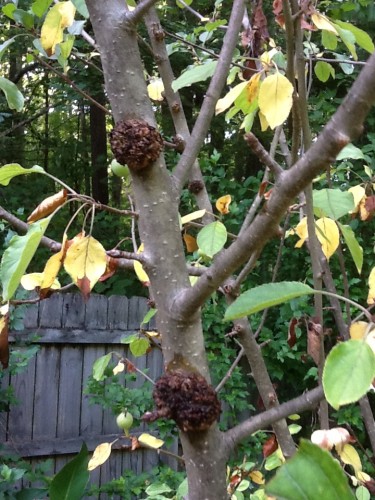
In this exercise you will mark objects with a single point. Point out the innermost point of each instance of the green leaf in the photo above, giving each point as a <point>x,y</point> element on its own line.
<point>7,172</point>
<point>355,249</point>
<point>18,255</point>
<point>80,5</point>
<point>329,40</point>
<point>129,339</point>
<point>194,75</point>
<point>348,372</point>
<point>8,10</point>
<point>324,70</point>
<point>182,490</point>
<point>31,493</point>
<point>99,366</point>
<point>350,151</point>
<point>24,18</point>
<point>311,474</point>
<point>40,7</point>
<point>181,5</point>
<point>71,481</point>
<point>212,238</point>
<point>263,296</point>
<point>139,347</point>
<point>149,315</point>
<point>362,493</point>
<point>13,95</point>
<point>348,39</point>
<point>294,428</point>
<point>5,45</point>
<point>157,489</point>
<point>332,203</point>
<point>362,38</point>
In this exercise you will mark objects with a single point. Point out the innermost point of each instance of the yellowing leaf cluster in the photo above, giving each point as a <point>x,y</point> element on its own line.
<point>59,17</point>
<point>327,233</point>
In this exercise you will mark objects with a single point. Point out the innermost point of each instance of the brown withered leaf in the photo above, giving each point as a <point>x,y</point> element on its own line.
<point>111,268</point>
<point>260,29</point>
<point>262,188</point>
<point>292,339</point>
<point>135,443</point>
<point>130,367</point>
<point>4,341</point>
<point>314,331</point>
<point>48,206</point>
<point>85,287</point>
<point>370,204</point>
<point>270,446</point>
<point>190,242</point>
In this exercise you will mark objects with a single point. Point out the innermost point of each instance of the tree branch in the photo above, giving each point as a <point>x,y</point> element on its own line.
<point>345,125</point>
<point>306,401</point>
<point>136,15</point>
<point>199,132</point>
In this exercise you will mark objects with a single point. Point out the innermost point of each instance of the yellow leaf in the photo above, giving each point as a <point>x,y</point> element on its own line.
<point>59,17</point>
<point>155,89</point>
<point>363,477</point>
<point>101,454</point>
<point>371,283</point>
<point>326,231</point>
<point>119,368</point>
<point>34,280</point>
<point>85,262</point>
<point>198,214</point>
<point>301,231</point>
<point>138,268</point>
<point>267,56</point>
<point>349,456</point>
<point>257,477</point>
<point>358,193</point>
<point>275,99</point>
<point>328,234</point>
<point>222,204</point>
<point>53,265</point>
<point>358,329</point>
<point>252,88</point>
<point>323,23</point>
<point>150,441</point>
<point>224,103</point>
<point>263,122</point>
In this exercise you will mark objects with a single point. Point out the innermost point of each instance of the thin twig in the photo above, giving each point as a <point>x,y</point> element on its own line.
<point>136,15</point>
<point>72,84</point>
<point>127,361</point>
<point>230,371</point>
<point>263,155</point>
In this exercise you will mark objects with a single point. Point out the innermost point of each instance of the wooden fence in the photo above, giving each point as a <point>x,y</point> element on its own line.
<point>54,417</point>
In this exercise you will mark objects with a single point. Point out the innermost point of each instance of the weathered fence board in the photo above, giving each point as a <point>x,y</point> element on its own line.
<point>54,416</point>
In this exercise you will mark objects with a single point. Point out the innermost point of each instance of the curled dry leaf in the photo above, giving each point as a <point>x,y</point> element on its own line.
<point>101,454</point>
<point>327,439</point>
<point>270,446</point>
<point>190,242</point>
<point>111,268</point>
<point>150,441</point>
<point>48,206</point>
<point>120,367</point>
<point>292,339</point>
<point>222,204</point>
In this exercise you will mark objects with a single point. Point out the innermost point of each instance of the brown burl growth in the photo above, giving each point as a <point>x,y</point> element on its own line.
<point>135,143</point>
<point>195,186</point>
<point>187,399</point>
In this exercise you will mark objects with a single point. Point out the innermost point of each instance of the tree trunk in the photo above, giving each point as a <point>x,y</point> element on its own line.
<point>99,152</point>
